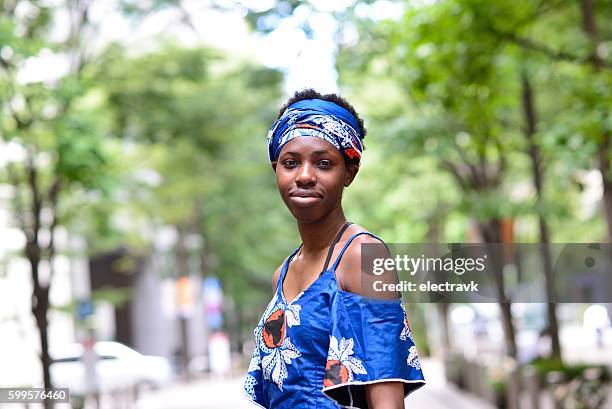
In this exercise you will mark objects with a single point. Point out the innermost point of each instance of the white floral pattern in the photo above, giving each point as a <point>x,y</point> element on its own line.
<point>413,358</point>
<point>413,355</point>
<point>255,361</point>
<point>273,364</point>
<point>292,313</point>
<point>249,387</point>
<point>251,381</point>
<point>275,358</point>
<point>341,352</point>
<point>406,333</point>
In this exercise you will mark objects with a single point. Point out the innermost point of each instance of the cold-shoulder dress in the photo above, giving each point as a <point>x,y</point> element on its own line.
<point>320,349</point>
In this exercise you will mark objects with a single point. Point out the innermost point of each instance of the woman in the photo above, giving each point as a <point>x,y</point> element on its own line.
<point>320,342</point>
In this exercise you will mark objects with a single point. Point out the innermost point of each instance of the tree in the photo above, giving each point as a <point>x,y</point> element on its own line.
<point>459,79</point>
<point>57,130</point>
<point>535,155</point>
<point>580,57</point>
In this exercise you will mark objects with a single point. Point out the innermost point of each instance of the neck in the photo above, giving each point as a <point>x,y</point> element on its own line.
<point>319,234</point>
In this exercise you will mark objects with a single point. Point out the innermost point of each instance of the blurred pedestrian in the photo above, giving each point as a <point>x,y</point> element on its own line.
<point>90,360</point>
<point>596,319</point>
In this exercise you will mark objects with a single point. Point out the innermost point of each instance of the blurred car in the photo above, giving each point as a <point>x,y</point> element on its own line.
<point>117,367</point>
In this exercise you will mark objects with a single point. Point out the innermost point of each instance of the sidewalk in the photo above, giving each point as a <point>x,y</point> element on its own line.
<point>438,394</point>
<point>227,394</point>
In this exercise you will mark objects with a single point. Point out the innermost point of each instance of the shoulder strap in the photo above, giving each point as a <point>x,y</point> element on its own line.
<point>348,242</point>
<point>332,245</point>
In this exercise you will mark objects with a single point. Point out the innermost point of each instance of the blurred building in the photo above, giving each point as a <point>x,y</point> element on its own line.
<point>132,303</point>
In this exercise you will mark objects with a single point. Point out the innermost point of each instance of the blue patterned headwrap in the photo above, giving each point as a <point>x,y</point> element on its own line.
<point>318,118</point>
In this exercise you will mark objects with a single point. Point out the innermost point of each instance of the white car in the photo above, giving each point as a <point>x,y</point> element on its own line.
<point>116,367</point>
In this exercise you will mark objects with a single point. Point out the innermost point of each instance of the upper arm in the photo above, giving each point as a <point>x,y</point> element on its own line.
<point>385,395</point>
<point>358,279</point>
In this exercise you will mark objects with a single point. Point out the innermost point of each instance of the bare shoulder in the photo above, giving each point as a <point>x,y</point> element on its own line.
<point>350,274</point>
<point>276,274</point>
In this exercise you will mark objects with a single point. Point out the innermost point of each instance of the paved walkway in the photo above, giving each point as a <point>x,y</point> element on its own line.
<point>227,394</point>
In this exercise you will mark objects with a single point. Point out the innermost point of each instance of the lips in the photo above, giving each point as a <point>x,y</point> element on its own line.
<point>304,198</point>
<point>304,194</point>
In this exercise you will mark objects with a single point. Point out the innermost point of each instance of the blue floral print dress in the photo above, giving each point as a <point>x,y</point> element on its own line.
<point>320,349</point>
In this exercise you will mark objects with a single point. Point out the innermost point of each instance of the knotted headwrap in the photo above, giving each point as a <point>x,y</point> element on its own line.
<point>318,118</point>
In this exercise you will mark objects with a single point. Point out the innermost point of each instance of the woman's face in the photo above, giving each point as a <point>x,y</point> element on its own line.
<point>311,175</point>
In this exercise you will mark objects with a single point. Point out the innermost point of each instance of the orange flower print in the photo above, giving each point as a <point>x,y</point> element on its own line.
<point>341,366</point>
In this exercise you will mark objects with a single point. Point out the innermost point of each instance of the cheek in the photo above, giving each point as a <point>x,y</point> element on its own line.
<point>282,179</point>
<point>334,184</point>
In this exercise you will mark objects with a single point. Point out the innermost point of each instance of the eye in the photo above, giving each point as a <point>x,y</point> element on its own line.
<point>324,163</point>
<point>290,163</point>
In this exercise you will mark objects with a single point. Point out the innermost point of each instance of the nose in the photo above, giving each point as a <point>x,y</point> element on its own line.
<point>306,175</point>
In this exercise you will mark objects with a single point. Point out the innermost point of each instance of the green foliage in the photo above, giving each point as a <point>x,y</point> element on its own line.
<point>58,124</point>
<point>544,366</point>
<point>451,92</point>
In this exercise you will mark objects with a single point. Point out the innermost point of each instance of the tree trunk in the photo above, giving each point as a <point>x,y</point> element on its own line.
<point>604,167</point>
<point>182,271</point>
<point>40,306</point>
<point>538,180</point>
<point>589,25</point>
<point>491,233</point>
<point>40,291</point>
<point>434,235</point>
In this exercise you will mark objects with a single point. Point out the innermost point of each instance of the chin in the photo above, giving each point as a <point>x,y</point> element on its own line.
<point>305,215</point>
<point>308,212</point>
